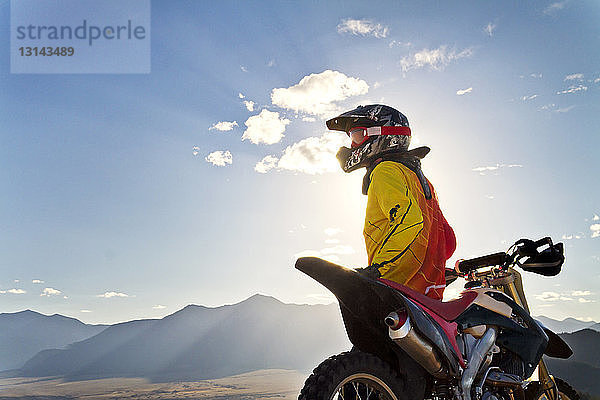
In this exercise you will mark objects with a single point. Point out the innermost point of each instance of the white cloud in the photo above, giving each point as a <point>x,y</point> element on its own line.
<point>552,296</point>
<point>50,292</point>
<point>395,43</point>
<point>37,281</point>
<point>362,27</point>
<point>464,91</point>
<point>489,29</point>
<point>13,291</point>
<point>489,197</point>
<point>552,107</point>
<point>244,69</point>
<point>595,228</point>
<point>249,105</point>
<point>483,170</point>
<point>316,93</point>
<point>265,127</point>
<point>582,300</point>
<point>573,89</point>
<point>525,98</point>
<point>332,241</point>
<point>108,295</point>
<point>223,126</point>
<point>538,76</point>
<point>271,63</point>
<point>313,155</point>
<point>573,77</point>
<point>559,5</point>
<point>266,164</point>
<point>571,237</point>
<point>332,231</point>
<point>564,109</point>
<point>580,293</point>
<point>85,311</point>
<point>309,119</point>
<point>596,218</point>
<point>547,107</point>
<point>240,95</point>
<point>436,59</point>
<point>596,80</point>
<point>195,150</point>
<point>159,307</point>
<point>220,158</point>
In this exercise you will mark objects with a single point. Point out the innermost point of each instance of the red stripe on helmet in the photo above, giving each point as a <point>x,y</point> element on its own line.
<point>388,130</point>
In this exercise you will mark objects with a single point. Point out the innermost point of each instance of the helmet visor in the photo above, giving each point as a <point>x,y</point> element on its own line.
<point>361,134</point>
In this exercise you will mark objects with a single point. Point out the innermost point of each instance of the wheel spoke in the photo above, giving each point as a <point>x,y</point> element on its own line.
<point>355,385</point>
<point>369,392</point>
<point>363,386</point>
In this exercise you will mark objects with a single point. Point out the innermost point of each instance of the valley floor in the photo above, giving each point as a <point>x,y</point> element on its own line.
<point>265,384</point>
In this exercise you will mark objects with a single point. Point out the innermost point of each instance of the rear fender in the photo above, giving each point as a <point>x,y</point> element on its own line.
<point>365,303</point>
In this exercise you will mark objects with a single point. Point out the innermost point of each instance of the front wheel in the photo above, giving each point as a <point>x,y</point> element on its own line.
<point>352,376</point>
<point>565,391</point>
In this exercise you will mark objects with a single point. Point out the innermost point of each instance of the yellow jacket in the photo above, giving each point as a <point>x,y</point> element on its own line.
<point>406,235</point>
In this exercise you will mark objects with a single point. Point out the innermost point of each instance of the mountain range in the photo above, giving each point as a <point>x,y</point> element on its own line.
<point>25,333</point>
<point>582,370</point>
<point>199,342</point>
<point>567,325</point>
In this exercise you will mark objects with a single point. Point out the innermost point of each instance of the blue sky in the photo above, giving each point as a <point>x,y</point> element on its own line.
<point>113,209</point>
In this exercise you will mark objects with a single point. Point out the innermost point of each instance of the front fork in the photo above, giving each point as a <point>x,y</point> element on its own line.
<point>515,290</point>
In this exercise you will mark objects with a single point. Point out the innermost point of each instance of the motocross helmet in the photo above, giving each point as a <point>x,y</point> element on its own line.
<point>375,130</point>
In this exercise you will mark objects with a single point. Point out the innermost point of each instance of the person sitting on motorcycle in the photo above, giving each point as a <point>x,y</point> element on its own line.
<point>407,238</point>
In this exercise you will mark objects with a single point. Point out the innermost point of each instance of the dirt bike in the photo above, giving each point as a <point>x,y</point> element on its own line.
<point>482,346</point>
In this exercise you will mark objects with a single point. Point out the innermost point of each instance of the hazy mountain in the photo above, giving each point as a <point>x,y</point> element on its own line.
<point>567,325</point>
<point>259,333</point>
<point>199,342</point>
<point>24,333</point>
<point>596,327</point>
<point>582,370</point>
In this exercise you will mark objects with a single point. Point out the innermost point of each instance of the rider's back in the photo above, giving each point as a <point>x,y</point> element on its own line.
<point>406,234</point>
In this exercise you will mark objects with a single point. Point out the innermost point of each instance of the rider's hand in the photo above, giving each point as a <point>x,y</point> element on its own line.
<point>372,271</point>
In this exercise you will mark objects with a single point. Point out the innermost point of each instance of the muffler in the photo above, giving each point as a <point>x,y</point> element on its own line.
<point>408,339</point>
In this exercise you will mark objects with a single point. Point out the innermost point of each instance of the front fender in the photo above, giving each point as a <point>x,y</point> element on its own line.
<point>557,348</point>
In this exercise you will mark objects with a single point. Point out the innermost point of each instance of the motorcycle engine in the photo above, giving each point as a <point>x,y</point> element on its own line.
<point>509,363</point>
<point>490,396</point>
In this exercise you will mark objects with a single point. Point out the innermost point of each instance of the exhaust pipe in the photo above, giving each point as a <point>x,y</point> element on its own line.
<point>402,333</point>
<point>478,357</point>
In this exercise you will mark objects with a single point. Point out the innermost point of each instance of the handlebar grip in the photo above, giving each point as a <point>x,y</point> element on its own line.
<point>543,241</point>
<point>465,266</point>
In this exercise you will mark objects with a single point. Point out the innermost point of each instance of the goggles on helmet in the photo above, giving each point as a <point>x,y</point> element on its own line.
<point>360,134</point>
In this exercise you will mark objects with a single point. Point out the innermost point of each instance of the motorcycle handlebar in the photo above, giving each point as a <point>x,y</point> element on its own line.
<point>529,248</point>
<point>464,266</point>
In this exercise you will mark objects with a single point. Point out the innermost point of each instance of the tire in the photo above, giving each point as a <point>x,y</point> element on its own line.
<point>565,391</point>
<point>348,372</point>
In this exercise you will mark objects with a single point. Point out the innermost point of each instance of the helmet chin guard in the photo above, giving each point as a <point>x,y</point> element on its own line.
<point>362,156</point>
